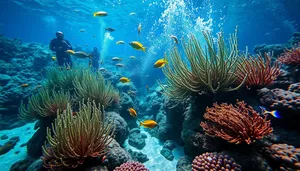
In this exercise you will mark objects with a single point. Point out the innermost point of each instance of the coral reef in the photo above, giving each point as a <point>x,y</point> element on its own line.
<point>287,101</point>
<point>210,72</point>
<point>21,63</point>
<point>131,166</point>
<point>258,71</point>
<point>166,151</point>
<point>153,103</point>
<point>22,165</point>
<point>291,56</point>
<point>214,161</point>
<point>76,137</point>
<point>127,102</point>
<point>136,138</point>
<point>285,157</point>
<point>138,156</point>
<point>236,124</point>
<point>116,155</point>
<point>184,164</point>
<point>121,130</point>
<point>10,144</point>
<point>275,49</point>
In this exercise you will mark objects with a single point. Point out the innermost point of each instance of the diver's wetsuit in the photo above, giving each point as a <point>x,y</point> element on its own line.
<point>95,60</point>
<point>60,46</point>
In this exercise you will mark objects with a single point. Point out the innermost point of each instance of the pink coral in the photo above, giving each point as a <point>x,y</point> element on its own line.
<point>134,166</point>
<point>214,161</point>
<point>291,56</point>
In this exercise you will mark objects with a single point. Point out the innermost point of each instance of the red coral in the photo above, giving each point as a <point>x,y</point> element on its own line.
<point>235,124</point>
<point>260,72</point>
<point>291,56</point>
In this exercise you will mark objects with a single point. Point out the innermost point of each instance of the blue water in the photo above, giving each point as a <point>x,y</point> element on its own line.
<point>258,22</point>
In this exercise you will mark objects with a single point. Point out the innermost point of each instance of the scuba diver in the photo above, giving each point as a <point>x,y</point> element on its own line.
<point>95,59</point>
<point>60,45</point>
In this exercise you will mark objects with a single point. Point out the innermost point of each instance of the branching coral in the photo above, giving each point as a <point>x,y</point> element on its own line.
<point>76,137</point>
<point>291,56</point>
<point>44,104</point>
<point>235,124</point>
<point>260,72</point>
<point>210,70</point>
<point>94,87</point>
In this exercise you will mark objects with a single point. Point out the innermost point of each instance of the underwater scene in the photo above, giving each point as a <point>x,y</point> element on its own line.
<point>149,85</point>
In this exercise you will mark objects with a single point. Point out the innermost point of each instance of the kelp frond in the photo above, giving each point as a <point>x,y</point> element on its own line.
<point>77,137</point>
<point>210,70</point>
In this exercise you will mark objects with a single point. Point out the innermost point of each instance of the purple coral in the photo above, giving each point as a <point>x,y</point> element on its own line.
<point>134,166</point>
<point>214,161</point>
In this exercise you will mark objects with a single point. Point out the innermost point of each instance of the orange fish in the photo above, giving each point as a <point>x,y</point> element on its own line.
<point>24,85</point>
<point>132,112</point>
<point>148,124</point>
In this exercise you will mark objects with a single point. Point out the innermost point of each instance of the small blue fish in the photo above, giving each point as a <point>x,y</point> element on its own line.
<point>274,113</point>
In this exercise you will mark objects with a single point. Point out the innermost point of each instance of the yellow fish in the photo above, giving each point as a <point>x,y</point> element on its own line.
<point>53,58</point>
<point>137,45</point>
<point>124,80</point>
<point>100,14</point>
<point>70,52</point>
<point>132,112</point>
<point>160,63</point>
<point>148,124</point>
<point>132,57</point>
<point>139,28</point>
<point>120,42</point>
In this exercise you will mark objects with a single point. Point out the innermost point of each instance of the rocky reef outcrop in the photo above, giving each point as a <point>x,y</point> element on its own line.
<point>21,71</point>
